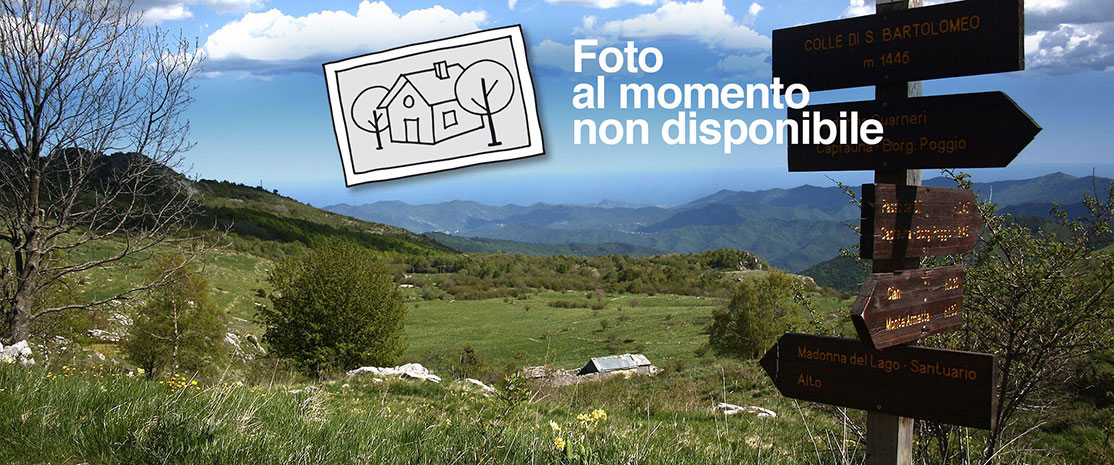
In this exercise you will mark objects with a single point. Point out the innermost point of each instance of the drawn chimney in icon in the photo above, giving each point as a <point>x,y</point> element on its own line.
<point>441,70</point>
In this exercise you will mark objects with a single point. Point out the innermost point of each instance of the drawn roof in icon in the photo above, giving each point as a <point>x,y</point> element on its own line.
<point>432,88</point>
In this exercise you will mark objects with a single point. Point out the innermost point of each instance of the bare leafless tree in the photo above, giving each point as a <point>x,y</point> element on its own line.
<point>91,127</point>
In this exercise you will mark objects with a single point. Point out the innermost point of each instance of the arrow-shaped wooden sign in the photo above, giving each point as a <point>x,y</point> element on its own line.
<point>953,39</point>
<point>945,386</point>
<point>915,221</point>
<point>900,307</point>
<point>979,130</point>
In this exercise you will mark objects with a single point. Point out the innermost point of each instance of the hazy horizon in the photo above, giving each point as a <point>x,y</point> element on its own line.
<point>645,188</point>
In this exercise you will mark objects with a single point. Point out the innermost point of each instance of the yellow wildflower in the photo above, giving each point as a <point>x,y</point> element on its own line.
<point>559,444</point>
<point>554,426</point>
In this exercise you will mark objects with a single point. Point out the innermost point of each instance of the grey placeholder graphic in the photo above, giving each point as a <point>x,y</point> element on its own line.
<point>434,106</point>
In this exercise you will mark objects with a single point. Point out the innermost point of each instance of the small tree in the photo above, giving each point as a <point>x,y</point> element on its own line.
<point>485,88</point>
<point>1041,302</point>
<point>336,307</point>
<point>81,80</point>
<point>754,317</point>
<point>178,329</point>
<point>366,114</point>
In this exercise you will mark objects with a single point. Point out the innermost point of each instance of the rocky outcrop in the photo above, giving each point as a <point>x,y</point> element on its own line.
<point>409,370</point>
<point>19,353</point>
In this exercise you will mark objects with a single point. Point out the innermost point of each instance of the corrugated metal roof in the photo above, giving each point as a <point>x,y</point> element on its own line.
<point>615,363</point>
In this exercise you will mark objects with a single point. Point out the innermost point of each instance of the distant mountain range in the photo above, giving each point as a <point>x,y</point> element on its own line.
<point>791,228</point>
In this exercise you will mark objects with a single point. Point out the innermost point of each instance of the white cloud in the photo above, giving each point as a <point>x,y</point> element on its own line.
<point>745,66</point>
<point>552,54</point>
<point>1071,48</point>
<point>1069,36</point>
<point>272,42</point>
<point>159,14</point>
<point>858,8</point>
<point>754,9</point>
<point>706,21</point>
<point>1064,36</point>
<point>1048,15</point>
<point>866,7</point>
<point>511,3</point>
<point>157,11</point>
<point>602,3</point>
<point>233,6</point>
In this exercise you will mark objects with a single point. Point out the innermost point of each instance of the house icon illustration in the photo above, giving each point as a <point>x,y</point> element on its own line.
<point>422,106</point>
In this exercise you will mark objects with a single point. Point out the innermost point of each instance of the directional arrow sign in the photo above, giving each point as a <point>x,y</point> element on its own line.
<point>939,385</point>
<point>900,307</point>
<point>953,39</point>
<point>980,130</point>
<point>914,221</point>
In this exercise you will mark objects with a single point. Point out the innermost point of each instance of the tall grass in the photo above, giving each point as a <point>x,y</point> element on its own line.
<point>93,416</point>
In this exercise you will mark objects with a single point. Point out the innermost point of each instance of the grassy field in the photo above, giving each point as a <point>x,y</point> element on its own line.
<point>515,332</point>
<point>60,416</point>
<point>52,414</point>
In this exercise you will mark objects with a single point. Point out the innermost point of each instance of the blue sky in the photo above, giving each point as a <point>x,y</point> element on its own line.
<point>261,113</point>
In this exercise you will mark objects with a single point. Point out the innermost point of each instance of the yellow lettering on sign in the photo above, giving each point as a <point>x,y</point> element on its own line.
<point>893,294</point>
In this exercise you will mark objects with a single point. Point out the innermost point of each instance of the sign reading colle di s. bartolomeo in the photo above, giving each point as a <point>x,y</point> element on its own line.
<point>939,385</point>
<point>954,39</point>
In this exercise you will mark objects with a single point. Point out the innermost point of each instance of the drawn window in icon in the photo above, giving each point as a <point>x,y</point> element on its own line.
<point>408,102</point>
<point>448,119</point>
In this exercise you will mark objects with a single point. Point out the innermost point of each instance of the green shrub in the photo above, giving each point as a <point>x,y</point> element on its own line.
<point>178,329</point>
<point>754,317</point>
<point>335,308</point>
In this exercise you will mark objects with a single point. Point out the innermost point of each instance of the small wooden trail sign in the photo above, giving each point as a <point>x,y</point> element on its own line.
<point>954,39</point>
<point>900,307</point>
<point>915,221</point>
<point>977,130</point>
<point>945,386</point>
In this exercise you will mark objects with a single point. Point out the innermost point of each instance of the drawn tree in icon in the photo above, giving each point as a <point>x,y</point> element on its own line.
<point>485,88</point>
<point>366,113</point>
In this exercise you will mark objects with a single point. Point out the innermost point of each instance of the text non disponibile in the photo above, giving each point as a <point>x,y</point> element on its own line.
<point>687,128</point>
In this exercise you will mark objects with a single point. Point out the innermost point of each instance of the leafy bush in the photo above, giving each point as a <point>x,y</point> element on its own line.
<point>334,308</point>
<point>754,317</point>
<point>178,329</point>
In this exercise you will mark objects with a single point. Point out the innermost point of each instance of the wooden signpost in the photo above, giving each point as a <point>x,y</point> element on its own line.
<point>901,220</point>
<point>912,221</point>
<point>901,307</point>
<point>980,130</point>
<point>940,385</point>
<point>954,39</point>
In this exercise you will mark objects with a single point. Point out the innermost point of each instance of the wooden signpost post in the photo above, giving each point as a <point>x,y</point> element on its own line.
<point>902,221</point>
<point>980,130</point>
<point>940,385</point>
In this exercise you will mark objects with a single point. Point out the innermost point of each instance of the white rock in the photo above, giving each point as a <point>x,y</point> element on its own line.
<point>104,336</point>
<point>255,343</point>
<point>19,353</point>
<point>233,340</point>
<point>483,387</point>
<point>409,370</point>
<point>731,409</point>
